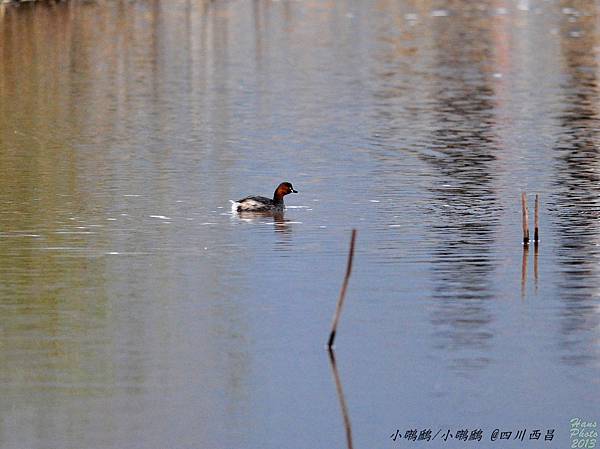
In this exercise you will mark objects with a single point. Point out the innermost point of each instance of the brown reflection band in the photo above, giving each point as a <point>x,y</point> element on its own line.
<point>340,393</point>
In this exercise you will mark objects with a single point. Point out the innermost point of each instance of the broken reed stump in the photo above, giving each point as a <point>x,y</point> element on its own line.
<point>525,210</point>
<point>525,219</point>
<point>340,302</point>
<point>536,232</point>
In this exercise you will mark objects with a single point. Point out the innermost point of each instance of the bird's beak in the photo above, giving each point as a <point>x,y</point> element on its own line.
<point>294,191</point>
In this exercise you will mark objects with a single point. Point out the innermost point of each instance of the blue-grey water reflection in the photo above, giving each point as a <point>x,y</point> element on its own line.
<point>138,311</point>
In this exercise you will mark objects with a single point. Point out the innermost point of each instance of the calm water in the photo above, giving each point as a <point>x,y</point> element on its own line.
<point>138,312</point>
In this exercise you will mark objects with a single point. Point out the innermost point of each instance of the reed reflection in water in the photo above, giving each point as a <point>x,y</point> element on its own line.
<point>139,312</point>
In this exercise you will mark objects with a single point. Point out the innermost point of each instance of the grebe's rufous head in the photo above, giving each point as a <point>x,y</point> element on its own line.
<point>285,187</point>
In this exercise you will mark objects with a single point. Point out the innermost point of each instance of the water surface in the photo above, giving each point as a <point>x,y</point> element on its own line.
<point>138,311</point>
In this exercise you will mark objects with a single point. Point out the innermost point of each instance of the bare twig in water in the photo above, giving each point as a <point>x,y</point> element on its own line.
<point>340,302</point>
<point>525,219</point>
<point>340,393</point>
<point>536,232</point>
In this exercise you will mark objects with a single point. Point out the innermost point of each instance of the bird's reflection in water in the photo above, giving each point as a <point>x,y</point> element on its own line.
<point>278,218</point>
<point>281,225</point>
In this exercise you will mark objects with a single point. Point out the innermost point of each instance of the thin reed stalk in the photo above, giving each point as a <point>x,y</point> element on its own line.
<point>340,302</point>
<point>525,219</point>
<point>536,232</point>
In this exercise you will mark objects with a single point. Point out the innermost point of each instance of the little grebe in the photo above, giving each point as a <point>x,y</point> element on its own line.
<point>263,204</point>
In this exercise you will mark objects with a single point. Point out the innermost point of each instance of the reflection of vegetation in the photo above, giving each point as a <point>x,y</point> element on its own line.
<point>576,191</point>
<point>49,320</point>
<point>90,118</point>
<point>463,199</point>
<point>85,118</point>
<point>56,316</point>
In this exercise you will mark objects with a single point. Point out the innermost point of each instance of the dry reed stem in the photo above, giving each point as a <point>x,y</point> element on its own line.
<point>340,302</point>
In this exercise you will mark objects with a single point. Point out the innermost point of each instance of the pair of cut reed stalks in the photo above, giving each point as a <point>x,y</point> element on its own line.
<point>525,209</point>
